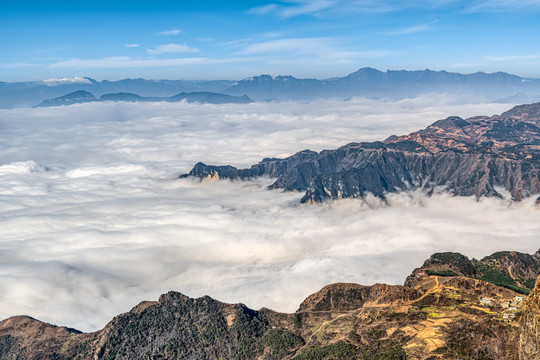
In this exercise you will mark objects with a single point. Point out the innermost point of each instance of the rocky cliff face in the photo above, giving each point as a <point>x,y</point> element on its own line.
<point>480,156</point>
<point>529,341</point>
<point>438,316</point>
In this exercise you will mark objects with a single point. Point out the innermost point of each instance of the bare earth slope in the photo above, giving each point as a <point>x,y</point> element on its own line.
<point>436,316</point>
<point>481,156</point>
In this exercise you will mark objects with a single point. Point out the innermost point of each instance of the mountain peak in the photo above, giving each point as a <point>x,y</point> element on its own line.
<point>79,96</point>
<point>452,121</point>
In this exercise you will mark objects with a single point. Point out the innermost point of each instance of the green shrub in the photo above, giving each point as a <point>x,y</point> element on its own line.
<point>441,273</point>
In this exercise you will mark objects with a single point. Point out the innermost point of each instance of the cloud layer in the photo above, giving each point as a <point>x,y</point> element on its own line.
<point>93,219</point>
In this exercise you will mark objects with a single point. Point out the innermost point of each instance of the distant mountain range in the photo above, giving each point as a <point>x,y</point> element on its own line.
<point>481,156</point>
<point>373,83</point>
<point>450,308</point>
<point>366,82</point>
<point>83,96</point>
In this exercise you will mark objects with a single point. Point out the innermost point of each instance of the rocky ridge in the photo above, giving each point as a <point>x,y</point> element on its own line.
<point>203,97</point>
<point>435,316</point>
<point>479,156</point>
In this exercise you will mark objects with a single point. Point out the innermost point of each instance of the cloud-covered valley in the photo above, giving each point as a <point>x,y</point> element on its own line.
<point>93,218</point>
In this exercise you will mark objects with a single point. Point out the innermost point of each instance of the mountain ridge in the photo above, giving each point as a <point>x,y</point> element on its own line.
<point>437,316</point>
<point>371,82</point>
<point>479,156</point>
<point>365,82</point>
<point>83,96</point>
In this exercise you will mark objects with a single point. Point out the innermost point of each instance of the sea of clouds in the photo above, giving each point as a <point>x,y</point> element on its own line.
<point>93,218</point>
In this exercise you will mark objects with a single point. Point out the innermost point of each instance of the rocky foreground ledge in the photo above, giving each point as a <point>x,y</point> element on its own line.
<point>481,156</point>
<point>452,307</point>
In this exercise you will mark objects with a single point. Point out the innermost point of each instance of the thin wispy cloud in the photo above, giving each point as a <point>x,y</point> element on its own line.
<point>130,62</point>
<point>298,45</point>
<point>413,29</point>
<point>503,5</point>
<point>312,50</point>
<point>264,9</point>
<point>132,45</point>
<point>171,49</point>
<point>304,7</point>
<point>18,65</point>
<point>295,8</point>
<point>513,57</point>
<point>170,32</point>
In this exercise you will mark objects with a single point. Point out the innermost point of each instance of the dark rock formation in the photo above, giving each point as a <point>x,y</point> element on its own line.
<point>480,156</point>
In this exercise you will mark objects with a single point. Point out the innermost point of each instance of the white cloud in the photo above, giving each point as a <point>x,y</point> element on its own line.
<point>62,81</point>
<point>171,49</point>
<point>170,32</point>
<point>93,219</point>
<point>132,45</point>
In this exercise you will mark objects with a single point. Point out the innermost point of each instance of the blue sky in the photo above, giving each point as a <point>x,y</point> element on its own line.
<point>236,39</point>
